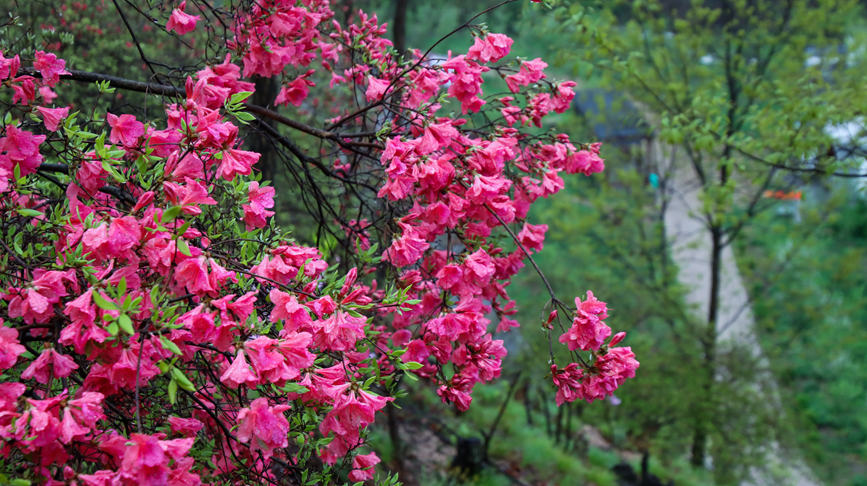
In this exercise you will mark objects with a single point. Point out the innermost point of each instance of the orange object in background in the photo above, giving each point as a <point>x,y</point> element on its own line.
<point>783,195</point>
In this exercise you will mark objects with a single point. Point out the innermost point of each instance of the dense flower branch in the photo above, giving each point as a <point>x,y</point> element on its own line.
<point>175,303</point>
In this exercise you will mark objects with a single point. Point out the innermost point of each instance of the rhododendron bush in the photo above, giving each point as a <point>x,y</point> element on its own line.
<point>158,326</point>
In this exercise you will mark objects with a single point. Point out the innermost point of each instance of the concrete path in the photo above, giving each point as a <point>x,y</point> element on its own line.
<point>690,241</point>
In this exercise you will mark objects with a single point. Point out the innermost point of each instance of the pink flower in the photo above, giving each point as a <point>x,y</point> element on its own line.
<point>49,364</point>
<point>10,349</point>
<point>48,95</point>
<point>277,361</point>
<point>407,249</point>
<point>90,176</point>
<point>52,116</point>
<point>82,330</point>
<point>568,383</point>
<point>340,332</point>
<point>239,372</point>
<point>462,399</point>
<point>185,426</point>
<point>243,306</point>
<point>125,129</point>
<point>20,147</point>
<point>619,363</point>
<point>588,332</point>
<point>256,213</point>
<point>264,427</point>
<point>350,413</point>
<point>485,188</point>
<point>530,72</point>
<point>38,428</point>
<point>490,48</point>
<point>193,274</point>
<point>466,82</point>
<point>532,237</point>
<point>9,66</point>
<point>362,467</point>
<point>188,196</point>
<point>9,393</point>
<point>375,88</point>
<point>24,90</point>
<point>296,317</point>
<point>562,100</point>
<point>128,369</point>
<point>236,162</point>
<point>87,409</point>
<point>295,92</point>
<point>35,304</point>
<point>586,162</point>
<point>480,267</point>
<point>144,460</point>
<point>180,21</point>
<point>591,307</point>
<point>50,67</point>
<point>123,234</point>
<point>81,415</point>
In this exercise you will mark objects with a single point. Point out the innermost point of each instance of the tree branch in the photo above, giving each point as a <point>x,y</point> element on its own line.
<point>167,90</point>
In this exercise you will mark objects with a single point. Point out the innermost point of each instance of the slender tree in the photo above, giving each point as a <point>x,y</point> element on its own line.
<point>745,91</point>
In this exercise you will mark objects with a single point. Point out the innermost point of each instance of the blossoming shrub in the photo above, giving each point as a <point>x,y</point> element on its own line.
<point>158,328</point>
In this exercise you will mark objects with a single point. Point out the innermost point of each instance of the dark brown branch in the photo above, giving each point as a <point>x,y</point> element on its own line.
<point>416,64</point>
<point>166,90</point>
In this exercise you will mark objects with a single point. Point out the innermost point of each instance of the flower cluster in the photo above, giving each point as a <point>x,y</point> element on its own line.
<point>610,365</point>
<point>150,305</point>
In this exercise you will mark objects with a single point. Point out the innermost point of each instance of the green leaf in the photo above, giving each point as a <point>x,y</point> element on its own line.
<point>244,116</point>
<point>294,388</point>
<point>125,324</point>
<point>183,247</point>
<point>133,306</point>
<point>104,87</point>
<point>167,344</point>
<point>155,292</point>
<point>171,214</point>
<point>412,365</point>
<point>102,303</point>
<point>183,381</point>
<point>239,97</point>
<point>117,176</point>
<point>184,227</point>
<point>29,212</point>
<point>173,391</point>
<point>112,328</point>
<point>99,146</point>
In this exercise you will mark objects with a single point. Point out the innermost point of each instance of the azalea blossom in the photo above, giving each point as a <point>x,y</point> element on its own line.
<point>180,21</point>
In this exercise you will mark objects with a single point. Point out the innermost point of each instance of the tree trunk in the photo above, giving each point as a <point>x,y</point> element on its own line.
<point>394,436</point>
<point>559,432</point>
<point>699,439</point>
<point>528,406</point>
<point>266,92</point>
<point>399,25</point>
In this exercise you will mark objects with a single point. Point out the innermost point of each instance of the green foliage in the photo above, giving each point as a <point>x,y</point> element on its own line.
<point>746,92</point>
<point>812,323</point>
<point>615,219</point>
